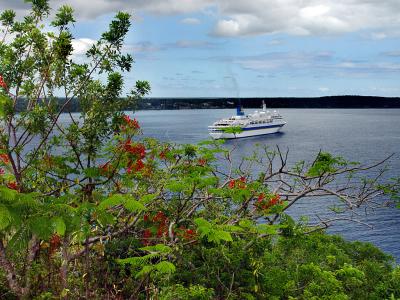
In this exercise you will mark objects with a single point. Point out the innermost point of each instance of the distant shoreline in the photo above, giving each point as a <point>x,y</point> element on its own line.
<point>278,102</point>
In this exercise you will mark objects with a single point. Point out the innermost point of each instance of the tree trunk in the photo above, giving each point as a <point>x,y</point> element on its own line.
<point>11,275</point>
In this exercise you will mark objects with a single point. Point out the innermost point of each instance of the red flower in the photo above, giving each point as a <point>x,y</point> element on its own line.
<point>137,166</point>
<point>138,149</point>
<point>55,242</point>
<point>160,217</point>
<point>189,234</point>
<point>12,185</point>
<point>163,154</point>
<point>232,184</point>
<point>2,83</point>
<point>4,158</point>
<point>262,204</point>
<point>261,197</point>
<point>240,183</point>
<point>2,171</point>
<point>202,162</point>
<point>105,168</point>
<point>146,236</point>
<point>146,218</point>
<point>275,200</point>
<point>133,124</point>
<point>162,230</point>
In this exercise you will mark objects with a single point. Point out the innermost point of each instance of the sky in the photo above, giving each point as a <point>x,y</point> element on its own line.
<point>253,48</point>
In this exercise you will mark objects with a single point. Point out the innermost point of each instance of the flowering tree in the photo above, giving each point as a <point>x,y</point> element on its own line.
<point>69,188</point>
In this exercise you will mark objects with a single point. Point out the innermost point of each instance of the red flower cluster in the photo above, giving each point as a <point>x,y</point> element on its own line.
<point>105,169</point>
<point>238,183</point>
<point>4,158</point>
<point>202,162</point>
<point>146,237</point>
<point>135,167</point>
<point>137,149</point>
<point>55,242</point>
<point>186,234</point>
<point>160,221</point>
<point>263,203</point>
<point>133,124</point>
<point>163,154</point>
<point>162,224</point>
<point>3,83</point>
<point>13,185</point>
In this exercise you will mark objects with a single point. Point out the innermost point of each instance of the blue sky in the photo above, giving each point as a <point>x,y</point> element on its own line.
<point>258,48</point>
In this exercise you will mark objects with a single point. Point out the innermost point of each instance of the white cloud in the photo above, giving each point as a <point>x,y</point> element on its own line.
<point>143,47</point>
<point>278,61</point>
<point>191,21</point>
<point>240,18</point>
<point>81,46</point>
<point>306,17</point>
<point>323,64</point>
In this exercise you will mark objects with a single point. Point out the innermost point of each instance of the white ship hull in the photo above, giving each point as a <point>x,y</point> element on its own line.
<point>258,123</point>
<point>247,132</point>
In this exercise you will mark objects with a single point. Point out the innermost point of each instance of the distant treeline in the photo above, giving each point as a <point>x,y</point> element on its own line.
<point>320,102</point>
<point>348,101</point>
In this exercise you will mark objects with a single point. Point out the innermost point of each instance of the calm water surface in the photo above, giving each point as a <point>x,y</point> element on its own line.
<point>364,135</point>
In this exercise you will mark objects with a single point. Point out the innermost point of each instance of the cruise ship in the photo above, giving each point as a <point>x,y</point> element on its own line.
<point>258,123</point>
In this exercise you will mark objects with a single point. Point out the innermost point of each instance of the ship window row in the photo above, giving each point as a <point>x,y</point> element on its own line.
<point>259,122</point>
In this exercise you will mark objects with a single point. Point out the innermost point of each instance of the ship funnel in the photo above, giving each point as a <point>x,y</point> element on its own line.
<point>239,111</point>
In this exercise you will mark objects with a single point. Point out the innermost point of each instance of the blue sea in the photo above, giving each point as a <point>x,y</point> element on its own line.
<point>363,135</point>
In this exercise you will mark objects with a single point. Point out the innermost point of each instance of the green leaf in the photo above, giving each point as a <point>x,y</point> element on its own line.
<point>245,223</point>
<point>165,267</point>
<point>7,194</point>
<point>158,248</point>
<point>233,129</point>
<point>133,205</point>
<point>59,226</point>
<point>175,186</point>
<point>148,198</point>
<point>114,200</point>
<point>5,217</point>
<point>224,236</point>
<point>268,229</point>
<point>19,241</point>
<point>41,226</point>
<point>200,222</point>
<point>104,218</point>
<point>92,172</point>
<point>144,271</point>
<point>5,105</point>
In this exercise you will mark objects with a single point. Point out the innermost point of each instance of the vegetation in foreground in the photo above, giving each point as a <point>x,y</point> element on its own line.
<point>90,211</point>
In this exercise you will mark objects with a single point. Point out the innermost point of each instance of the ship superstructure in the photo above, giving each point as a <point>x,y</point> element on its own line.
<point>258,123</point>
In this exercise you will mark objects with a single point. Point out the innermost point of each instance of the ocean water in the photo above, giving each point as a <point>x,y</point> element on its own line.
<point>363,135</point>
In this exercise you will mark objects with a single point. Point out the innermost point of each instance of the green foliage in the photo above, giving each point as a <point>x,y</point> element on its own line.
<point>212,232</point>
<point>325,163</point>
<point>64,16</point>
<point>179,292</point>
<point>5,217</point>
<point>316,266</point>
<point>233,129</point>
<point>144,266</point>
<point>7,17</point>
